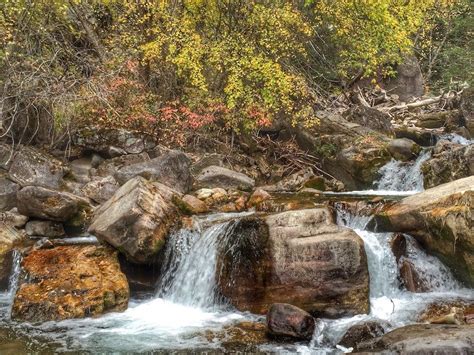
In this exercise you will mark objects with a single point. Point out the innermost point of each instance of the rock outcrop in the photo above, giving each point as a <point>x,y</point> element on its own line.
<point>70,282</point>
<point>136,219</point>
<point>371,118</point>
<point>171,169</point>
<point>467,109</point>
<point>285,320</point>
<point>43,203</point>
<point>449,162</point>
<point>441,220</point>
<point>32,167</point>
<point>297,257</point>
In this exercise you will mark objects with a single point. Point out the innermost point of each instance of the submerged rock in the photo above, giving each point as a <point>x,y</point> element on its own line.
<point>70,282</point>
<point>39,202</point>
<point>410,277</point>
<point>216,176</point>
<point>171,168</point>
<point>441,220</point>
<point>285,320</point>
<point>137,219</point>
<point>296,257</point>
<point>424,339</point>
<point>31,167</point>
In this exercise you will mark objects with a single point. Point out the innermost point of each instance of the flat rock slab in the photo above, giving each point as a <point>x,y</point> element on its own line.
<point>217,176</point>
<point>70,282</point>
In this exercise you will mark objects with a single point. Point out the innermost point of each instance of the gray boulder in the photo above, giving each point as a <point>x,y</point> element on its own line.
<point>371,118</point>
<point>171,169</point>
<point>403,149</point>
<point>31,167</point>
<point>285,320</point>
<point>48,229</point>
<point>216,176</point>
<point>467,109</point>
<point>13,218</point>
<point>39,202</point>
<point>137,219</point>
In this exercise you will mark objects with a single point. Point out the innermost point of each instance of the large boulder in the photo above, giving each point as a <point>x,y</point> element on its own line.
<point>70,282</point>
<point>449,162</point>
<point>409,82</point>
<point>297,257</point>
<point>285,320</point>
<point>171,168</point>
<point>423,339</point>
<point>8,190</point>
<point>39,202</point>
<point>216,176</point>
<point>441,220</point>
<point>32,167</point>
<point>137,218</point>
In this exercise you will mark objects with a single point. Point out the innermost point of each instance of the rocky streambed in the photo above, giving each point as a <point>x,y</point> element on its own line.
<point>131,247</point>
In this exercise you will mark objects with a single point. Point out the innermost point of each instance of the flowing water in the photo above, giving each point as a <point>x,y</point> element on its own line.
<point>186,303</point>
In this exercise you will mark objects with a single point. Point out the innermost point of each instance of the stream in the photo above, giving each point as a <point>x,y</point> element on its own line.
<point>186,303</point>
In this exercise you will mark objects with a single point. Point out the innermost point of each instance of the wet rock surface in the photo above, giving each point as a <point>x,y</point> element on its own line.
<point>137,219</point>
<point>360,333</point>
<point>296,257</point>
<point>424,339</point>
<point>70,282</point>
<point>285,320</point>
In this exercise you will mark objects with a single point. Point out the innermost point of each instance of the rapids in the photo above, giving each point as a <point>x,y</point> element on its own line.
<point>186,304</point>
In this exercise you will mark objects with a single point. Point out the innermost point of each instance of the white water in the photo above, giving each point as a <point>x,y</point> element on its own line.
<point>402,176</point>
<point>186,304</point>
<point>389,302</point>
<point>456,138</point>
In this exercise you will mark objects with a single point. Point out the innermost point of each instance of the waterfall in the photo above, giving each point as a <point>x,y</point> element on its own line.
<point>389,302</point>
<point>190,263</point>
<point>14,274</point>
<point>456,138</point>
<point>403,176</point>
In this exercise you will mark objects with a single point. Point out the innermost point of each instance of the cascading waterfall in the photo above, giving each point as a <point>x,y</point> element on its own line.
<point>6,298</point>
<point>403,176</point>
<point>191,260</point>
<point>389,302</point>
